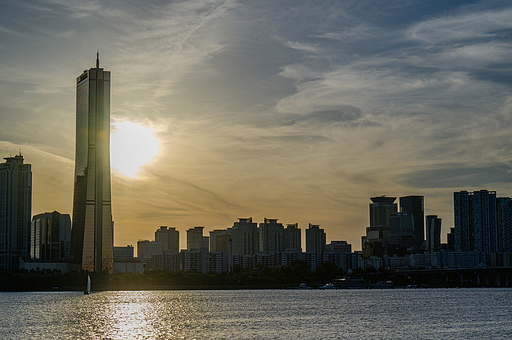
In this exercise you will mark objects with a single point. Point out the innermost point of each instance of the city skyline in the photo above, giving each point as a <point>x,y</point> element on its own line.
<point>289,110</point>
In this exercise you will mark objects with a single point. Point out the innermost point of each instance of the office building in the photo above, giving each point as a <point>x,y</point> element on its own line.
<point>504,224</point>
<point>92,229</point>
<point>271,236</point>
<point>170,238</point>
<point>401,230</point>
<point>315,239</point>
<point>414,205</point>
<point>476,221</point>
<point>380,210</point>
<point>15,211</point>
<point>433,227</point>
<point>50,237</point>
<point>377,234</point>
<point>244,234</point>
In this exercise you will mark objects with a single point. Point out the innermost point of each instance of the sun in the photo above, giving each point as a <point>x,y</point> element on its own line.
<point>131,146</point>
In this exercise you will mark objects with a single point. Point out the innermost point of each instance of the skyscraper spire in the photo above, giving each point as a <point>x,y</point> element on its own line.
<point>97,59</point>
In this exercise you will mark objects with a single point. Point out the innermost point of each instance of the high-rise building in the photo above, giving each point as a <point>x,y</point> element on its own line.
<point>270,236</point>
<point>380,210</point>
<point>401,230</point>
<point>196,241</point>
<point>244,234</point>
<point>504,224</point>
<point>377,234</point>
<point>433,239</point>
<point>413,205</point>
<point>50,236</point>
<point>92,229</point>
<point>315,239</point>
<point>170,238</point>
<point>219,240</point>
<point>15,211</point>
<point>475,218</point>
<point>292,238</point>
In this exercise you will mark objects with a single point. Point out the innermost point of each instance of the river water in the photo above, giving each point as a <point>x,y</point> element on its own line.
<point>259,314</point>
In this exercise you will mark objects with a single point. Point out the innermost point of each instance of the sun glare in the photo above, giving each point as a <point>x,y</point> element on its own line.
<point>132,146</point>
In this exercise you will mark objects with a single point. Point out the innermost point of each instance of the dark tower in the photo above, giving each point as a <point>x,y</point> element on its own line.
<point>92,229</point>
<point>413,205</point>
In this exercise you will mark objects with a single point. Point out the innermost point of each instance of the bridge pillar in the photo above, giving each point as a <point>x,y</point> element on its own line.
<point>478,283</point>
<point>498,280</point>
<point>461,278</point>
<point>487,279</point>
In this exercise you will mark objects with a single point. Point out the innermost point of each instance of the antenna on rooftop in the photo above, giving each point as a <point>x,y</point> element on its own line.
<point>97,59</point>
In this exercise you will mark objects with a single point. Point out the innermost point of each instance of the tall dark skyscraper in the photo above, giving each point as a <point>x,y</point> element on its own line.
<point>476,221</point>
<point>15,211</point>
<point>315,239</point>
<point>270,236</point>
<point>433,239</point>
<point>92,229</point>
<point>414,205</point>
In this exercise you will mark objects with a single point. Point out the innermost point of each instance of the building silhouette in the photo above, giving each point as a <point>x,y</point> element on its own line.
<point>504,224</point>
<point>476,221</point>
<point>315,239</point>
<point>433,227</point>
<point>292,238</point>
<point>196,241</point>
<point>401,230</point>
<point>244,234</point>
<point>271,236</point>
<point>15,211</point>
<point>377,234</point>
<point>92,229</point>
<point>170,238</point>
<point>414,205</point>
<point>220,240</point>
<point>50,237</point>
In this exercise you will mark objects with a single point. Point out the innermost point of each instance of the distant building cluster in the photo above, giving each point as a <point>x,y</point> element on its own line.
<point>481,236</point>
<point>246,245</point>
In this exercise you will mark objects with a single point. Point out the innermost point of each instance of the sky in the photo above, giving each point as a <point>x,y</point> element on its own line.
<point>294,110</point>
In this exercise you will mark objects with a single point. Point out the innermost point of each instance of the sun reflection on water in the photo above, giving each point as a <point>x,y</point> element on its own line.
<point>137,315</point>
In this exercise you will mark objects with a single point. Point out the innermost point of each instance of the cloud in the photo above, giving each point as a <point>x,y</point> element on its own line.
<point>459,176</point>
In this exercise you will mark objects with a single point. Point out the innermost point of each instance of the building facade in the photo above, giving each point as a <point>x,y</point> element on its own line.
<point>15,211</point>
<point>433,234</point>
<point>219,240</point>
<point>92,230</point>
<point>315,239</point>
<point>196,241</point>
<point>292,240</point>
<point>50,237</point>
<point>271,236</point>
<point>170,238</point>
<point>414,205</point>
<point>244,234</point>
<point>476,221</point>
